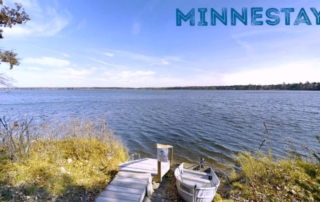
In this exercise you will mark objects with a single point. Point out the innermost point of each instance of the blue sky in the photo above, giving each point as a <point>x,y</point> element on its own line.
<point>125,43</point>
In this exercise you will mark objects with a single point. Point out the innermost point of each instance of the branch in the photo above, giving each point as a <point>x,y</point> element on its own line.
<point>5,81</point>
<point>10,57</point>
<point>9,17</point>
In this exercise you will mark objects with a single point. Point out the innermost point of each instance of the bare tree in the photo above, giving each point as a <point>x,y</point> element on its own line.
<point>5,80</point>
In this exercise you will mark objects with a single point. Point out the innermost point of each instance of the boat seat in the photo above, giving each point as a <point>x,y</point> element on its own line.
<point>204,181</point>
<point>195,172</point>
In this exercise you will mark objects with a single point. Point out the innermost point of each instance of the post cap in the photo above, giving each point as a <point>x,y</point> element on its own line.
<point>163,146</point>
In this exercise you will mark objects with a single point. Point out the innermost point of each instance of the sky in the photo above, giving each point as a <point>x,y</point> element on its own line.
<point>125,43</point>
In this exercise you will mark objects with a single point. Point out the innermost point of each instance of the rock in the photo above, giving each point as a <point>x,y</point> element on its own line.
<point>20,185</point>
<point>293,192</point>
<point>155,185</point>
<point>62,169</point>
<point>149,189</point>
<point>146,199</point>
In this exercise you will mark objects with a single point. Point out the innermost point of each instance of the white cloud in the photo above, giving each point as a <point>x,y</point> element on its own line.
<point>35,69</point>
<point>70,73</point>
<point>137,79</point>
<point>16,30</point>
<point>260,33</point>
<point>138,73</point>
<point>53,51</point>
<point>44,22</point>
<point>151,60</point>
<point>51,77</point>
<point>109,54</point>
<point>288,73</point>
<point>129,75</point>
<point>47,61</point>
<point>30,6</point>
<point>105,63</point>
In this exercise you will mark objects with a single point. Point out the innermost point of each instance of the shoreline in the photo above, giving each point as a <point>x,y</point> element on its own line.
<point>308,86</point>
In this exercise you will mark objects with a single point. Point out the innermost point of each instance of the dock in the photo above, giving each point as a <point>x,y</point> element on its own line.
<point>145,165</point>
<point>134,180</point>
<point>126,186</point>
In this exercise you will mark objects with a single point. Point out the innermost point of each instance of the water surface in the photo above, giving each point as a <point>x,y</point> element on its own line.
<point>213,124</point>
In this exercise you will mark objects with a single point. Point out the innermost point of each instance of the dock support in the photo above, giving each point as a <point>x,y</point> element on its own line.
<point>159,178</point>
<point>165,158</point>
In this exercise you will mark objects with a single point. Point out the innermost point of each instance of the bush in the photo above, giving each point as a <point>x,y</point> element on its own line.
<point>264,179</point>
<point>59,158</point>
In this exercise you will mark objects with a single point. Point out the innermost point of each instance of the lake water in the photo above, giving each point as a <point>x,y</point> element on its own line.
<point>212,124</point>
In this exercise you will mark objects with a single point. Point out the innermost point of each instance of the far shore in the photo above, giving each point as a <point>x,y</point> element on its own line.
<point>314,86</point>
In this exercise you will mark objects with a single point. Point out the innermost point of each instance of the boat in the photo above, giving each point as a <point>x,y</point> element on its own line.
<point>196,186</point>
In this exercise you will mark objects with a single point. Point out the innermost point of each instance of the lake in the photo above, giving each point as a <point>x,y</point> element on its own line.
<point>211,124</point>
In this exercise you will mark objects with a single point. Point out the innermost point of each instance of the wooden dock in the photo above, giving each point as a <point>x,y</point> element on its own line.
<point>145,165</point>
<point>133,181</point>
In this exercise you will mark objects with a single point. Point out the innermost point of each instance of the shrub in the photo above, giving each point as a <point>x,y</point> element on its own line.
<point>264,179</point>
<point>63,158</point>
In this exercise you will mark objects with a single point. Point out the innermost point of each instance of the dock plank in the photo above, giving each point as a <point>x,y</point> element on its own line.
<point>126,185</point>
<point>132,180</point>
<point>150,162</point>
<point>145,166</point>
<point>141,166</point>
<point>134,175</point>
<point>124,189</point>
<point>121,195</point>
<point>141,161</point>
<point>153,173</point>
<point>108,199</point>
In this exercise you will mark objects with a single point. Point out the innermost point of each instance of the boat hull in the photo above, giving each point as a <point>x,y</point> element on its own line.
<point>194,187</point>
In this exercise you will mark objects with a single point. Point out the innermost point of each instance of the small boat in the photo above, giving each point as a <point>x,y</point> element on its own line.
<point>196,186</point>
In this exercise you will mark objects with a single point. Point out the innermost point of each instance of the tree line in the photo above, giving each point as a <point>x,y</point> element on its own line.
<point>293,86</point>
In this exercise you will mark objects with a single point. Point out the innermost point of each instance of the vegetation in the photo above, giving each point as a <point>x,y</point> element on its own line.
<point>284,86</point>
<point>263,178</point>
<point>70,161</point>
<point>74,160</point>
<point>294,86</point>
<point>5,80</point>
<point>317,154</point>
<point>9,17</point>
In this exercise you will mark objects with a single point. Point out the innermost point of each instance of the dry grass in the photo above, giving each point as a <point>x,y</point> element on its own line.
<point>69,161</point>
<point>263,178</point>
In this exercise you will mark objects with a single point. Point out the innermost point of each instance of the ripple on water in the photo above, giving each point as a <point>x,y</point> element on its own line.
<point>214,124</point>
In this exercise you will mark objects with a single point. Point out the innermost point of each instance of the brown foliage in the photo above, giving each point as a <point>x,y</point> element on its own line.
<point>9,17</point>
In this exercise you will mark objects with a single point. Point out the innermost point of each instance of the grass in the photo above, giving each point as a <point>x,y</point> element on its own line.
<point>69,161</point>
<point>74,160</point>
<point>263,178</point>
